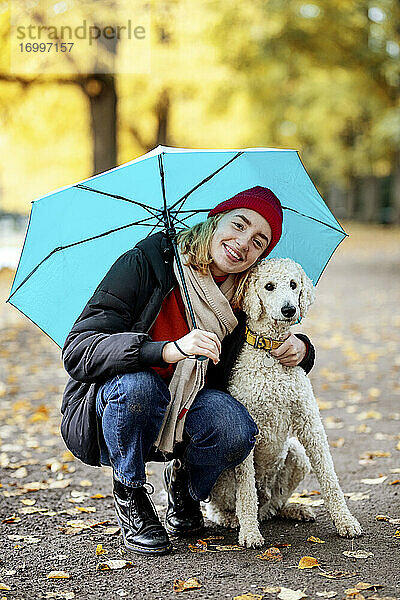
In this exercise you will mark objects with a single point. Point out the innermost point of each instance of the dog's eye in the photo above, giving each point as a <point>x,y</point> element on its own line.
<point>269,287</point>
<point>293,285</point>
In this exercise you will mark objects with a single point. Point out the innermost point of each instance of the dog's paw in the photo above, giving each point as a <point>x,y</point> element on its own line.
<point>250,539</point>
<point>297,512</point>
<point>348,526</point>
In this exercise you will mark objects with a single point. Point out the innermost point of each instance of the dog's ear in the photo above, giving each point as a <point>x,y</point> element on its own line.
<point>307,293</point>
<point>251,302</point>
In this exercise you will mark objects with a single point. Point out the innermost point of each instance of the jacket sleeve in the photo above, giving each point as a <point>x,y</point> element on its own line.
<point>101,343</point>
<point>308,361</point>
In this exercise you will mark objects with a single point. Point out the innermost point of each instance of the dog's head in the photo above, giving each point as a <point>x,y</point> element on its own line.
<point>278,289</point>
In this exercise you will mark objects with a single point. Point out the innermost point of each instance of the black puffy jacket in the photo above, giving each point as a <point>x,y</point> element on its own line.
<point>110,337</point>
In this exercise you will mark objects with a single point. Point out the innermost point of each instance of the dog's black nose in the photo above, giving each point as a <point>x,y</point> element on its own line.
<point>288,311</point>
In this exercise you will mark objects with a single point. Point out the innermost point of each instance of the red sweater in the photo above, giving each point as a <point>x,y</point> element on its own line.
<point>171,324</point>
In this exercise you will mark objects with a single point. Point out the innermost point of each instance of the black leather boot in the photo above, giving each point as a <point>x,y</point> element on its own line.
<point>183,513</point>
<point>141,528</point>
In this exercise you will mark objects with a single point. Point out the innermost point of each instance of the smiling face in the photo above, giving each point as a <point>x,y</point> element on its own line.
<point>241,237</point>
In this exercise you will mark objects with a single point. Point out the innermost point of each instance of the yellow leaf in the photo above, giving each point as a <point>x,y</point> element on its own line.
<point>4,587</point>
<point>100,550</point>
<point>28,501</point>
<point>248,596</point>
<point>58,575</point>
<point>199,546</point>
<point>315,539</point>
<point>272,553</point>
<point>180,585</point>
<point>67,456</point>
<point>85,483</point>
<point>308,562</point>
<point>369,414</point>
<point>97,496</point>
<point>114,565</point>
<point>362,585</point>
<point>397,533</point>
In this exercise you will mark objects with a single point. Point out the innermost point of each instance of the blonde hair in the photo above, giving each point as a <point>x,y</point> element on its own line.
<point>195,243</point>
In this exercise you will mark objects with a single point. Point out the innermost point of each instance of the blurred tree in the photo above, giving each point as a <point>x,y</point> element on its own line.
<point>322,76</point>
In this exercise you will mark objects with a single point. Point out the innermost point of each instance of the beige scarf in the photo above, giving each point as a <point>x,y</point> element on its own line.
<point>213,313</point>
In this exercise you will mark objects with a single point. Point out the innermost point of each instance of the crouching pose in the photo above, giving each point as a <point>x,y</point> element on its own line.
<point>136,392</point>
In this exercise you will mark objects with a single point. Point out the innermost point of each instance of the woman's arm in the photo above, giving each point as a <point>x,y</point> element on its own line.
<point>101,343</point>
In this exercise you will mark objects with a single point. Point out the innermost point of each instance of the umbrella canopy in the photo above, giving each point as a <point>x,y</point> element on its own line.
<point>77,232</point>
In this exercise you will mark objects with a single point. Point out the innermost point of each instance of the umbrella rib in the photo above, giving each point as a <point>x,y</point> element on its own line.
<point>185,196</point>
<point>150,209</point>
<point>317,220</point>
<point>141,222</point>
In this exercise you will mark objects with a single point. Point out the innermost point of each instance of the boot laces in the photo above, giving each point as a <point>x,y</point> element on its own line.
<point>133,509</point>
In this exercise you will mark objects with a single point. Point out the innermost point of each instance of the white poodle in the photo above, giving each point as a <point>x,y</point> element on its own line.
<point>281,401</point>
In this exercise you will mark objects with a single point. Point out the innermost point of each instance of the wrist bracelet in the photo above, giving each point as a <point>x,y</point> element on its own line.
<point>181,351</point>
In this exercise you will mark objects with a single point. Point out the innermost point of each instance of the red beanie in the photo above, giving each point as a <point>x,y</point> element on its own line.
<point>263,201</point>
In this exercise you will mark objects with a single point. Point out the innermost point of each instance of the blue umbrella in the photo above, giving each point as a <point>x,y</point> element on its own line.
<point>77,232</point>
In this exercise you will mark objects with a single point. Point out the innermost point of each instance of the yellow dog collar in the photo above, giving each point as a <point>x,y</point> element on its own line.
<point>261,342</point>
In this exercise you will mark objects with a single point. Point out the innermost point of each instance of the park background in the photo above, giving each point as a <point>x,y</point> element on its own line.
<point>320,77</point>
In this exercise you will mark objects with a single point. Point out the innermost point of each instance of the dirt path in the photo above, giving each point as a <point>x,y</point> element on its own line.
<point>355,327</point>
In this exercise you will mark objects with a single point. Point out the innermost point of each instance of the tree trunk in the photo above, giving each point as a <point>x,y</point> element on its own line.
<point>162,112</point>
<point>350,199</point>
<point>370,200</point>
<point>395,191</point>
<point>102,97</point>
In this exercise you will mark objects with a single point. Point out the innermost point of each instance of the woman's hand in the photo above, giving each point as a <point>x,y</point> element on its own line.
<point>291,352</point>
<point>197,341</point>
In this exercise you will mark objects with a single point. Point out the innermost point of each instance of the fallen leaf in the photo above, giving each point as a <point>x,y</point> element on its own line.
<point>97,496</point>
<point>288,594</point>
<point>112,530</point>
<point>336,574</point>
<point>317,540</point>
<point>358,553</point>
<point>85,509</point>
<point>199,546</point>
<point>28,501</point>
<point>369,414</point>
<point>397,533</point>
<point>272,553</point>
<point>180,585</point>
<point>308,562</point>
<point>375,481</point>
<point>339,443</point>
<point>100,550</point>
<point>382,518</point>
<point>58,575</point>
<point>381,598</point>
<point>326,594</point>
<point>271,590</point>
<point>357,496</point>
<point>229,547</point>
<point>395,482</point>
<point>248,596</point>
<point>375,454</point>
<point>4,587</point>
<point>85,483</point>
<point>12,519</point>
<point>362,585</point>
<point>114,565</point>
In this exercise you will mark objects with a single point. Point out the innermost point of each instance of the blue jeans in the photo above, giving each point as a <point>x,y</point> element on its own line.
<point>219,432</point>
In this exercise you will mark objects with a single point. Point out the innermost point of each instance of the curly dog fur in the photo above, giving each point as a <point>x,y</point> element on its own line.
<point>281,401</point>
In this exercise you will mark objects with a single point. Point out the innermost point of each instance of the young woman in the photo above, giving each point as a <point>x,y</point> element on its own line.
<point>136,391</point>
